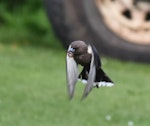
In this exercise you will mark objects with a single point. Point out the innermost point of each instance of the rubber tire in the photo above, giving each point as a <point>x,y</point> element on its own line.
<point>80,20</point>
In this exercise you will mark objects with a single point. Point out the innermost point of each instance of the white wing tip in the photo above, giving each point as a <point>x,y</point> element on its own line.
<point>84,81</point>
<point>107,84</point>
<point>100,84</point>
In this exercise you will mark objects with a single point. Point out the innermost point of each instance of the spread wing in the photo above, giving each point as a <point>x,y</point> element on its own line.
<point>91,76</point>
<point>72,74</point>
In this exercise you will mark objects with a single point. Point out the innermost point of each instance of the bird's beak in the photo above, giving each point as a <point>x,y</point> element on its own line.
<point>70,52</point>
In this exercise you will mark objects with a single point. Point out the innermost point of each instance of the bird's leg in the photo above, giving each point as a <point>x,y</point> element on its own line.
<point>84,73</point>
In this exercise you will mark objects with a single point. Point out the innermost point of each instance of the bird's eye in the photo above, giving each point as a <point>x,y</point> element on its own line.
<point>72,49</point>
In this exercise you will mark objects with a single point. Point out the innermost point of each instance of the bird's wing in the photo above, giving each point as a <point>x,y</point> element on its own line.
<point>72,74</point>
<point>91,76</point>
<point>96,57</point>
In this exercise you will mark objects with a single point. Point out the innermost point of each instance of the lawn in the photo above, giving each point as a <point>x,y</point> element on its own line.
<point>33,91</point>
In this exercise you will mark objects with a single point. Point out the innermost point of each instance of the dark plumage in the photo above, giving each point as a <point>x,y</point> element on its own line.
<point>92,74</point>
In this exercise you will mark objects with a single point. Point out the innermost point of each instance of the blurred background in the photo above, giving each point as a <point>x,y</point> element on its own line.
<point>26,21</point>
<point>33,38</point>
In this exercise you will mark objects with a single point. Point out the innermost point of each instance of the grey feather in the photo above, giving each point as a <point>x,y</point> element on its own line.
<point>72,74</point>
<point>91,77</point>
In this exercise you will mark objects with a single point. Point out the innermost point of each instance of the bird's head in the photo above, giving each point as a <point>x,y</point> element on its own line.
<point>71,51</point>
<point>77,48</point>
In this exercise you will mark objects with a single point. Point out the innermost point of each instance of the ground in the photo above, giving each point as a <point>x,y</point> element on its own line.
<point>33,91</point>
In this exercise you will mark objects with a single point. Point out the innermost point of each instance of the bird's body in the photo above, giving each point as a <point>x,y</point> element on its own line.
<point>81,55</point>
<point>92,74</point>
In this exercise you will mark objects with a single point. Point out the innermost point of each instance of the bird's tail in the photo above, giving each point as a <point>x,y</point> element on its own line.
<point>102,79</point>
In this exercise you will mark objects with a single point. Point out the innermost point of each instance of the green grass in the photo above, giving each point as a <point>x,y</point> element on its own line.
<point>33,91</point>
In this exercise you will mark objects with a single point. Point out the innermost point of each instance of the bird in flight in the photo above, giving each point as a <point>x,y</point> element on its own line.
<point>86,55</point>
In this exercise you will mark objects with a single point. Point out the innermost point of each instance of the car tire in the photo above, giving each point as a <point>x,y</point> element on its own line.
<point>81,20</point>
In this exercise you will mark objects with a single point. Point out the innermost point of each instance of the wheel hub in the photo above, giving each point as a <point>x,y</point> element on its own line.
<point>129,19</point>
